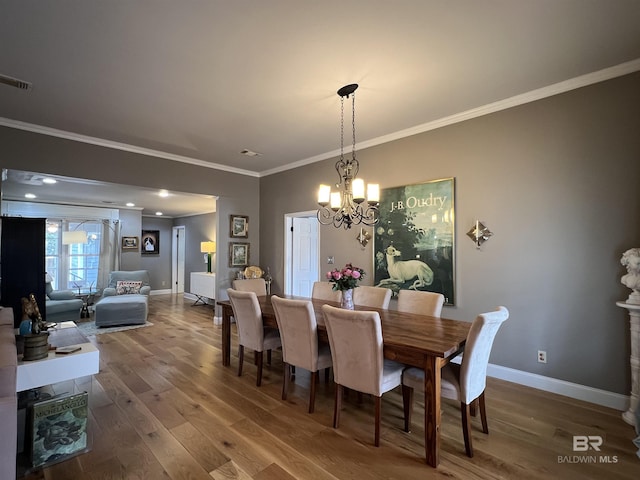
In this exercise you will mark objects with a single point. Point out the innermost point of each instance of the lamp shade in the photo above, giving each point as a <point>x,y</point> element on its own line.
<point>208,247</point>
<point>76,236</point>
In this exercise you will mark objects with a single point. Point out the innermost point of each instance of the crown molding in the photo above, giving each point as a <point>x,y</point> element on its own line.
<point>76,137</point>
<point>532,96</point>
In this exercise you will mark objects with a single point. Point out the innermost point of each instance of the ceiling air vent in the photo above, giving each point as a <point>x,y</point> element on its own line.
<point>14,82</point>
<point>249,153</point>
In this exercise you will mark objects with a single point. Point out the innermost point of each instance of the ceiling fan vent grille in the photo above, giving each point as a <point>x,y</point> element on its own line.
<point>14,82</point>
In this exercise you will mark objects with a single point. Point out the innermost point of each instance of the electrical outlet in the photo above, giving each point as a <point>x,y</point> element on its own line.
<point>542,356</point>
<point>330,260</point>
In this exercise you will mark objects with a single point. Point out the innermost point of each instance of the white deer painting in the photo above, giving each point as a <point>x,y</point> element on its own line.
<point>402,271</point>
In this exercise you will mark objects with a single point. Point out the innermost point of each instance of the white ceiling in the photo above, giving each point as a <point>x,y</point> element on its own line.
<point>199,81</point>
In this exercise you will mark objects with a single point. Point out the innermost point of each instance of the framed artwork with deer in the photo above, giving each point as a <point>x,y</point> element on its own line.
<point>414,241</point>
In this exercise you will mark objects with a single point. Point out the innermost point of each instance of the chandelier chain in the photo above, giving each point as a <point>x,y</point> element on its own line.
<point>353,124</point>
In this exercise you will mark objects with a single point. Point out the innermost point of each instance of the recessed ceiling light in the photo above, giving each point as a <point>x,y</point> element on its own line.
<point>249,153</point>
<point>29,195</point>
<point>158,213</point>
<point>130,204</point>
<point>49,181</point>
<point>163,193</point>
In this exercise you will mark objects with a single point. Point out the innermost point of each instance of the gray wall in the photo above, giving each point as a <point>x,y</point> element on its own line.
<point>130,226</point>
<point>197,228</point>
<point>557,182</point>
<point>158,266</point>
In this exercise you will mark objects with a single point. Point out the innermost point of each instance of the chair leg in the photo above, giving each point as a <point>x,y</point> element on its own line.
<point>312,391</point>
<point>240,358</point>
<point>466,428</point>
<point>483,413</point>
<point>268,357</point>
<point>407,401</point>
<point>260,360</point>
<point>293,373</point>
<point>326,375</point>
<point>337,406</point>
<point>285,380</point>
<point>378,413</point>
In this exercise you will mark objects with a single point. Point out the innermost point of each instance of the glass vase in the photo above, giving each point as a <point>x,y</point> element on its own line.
<point>347,299</point>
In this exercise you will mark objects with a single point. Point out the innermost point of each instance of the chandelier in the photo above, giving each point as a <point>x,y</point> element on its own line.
<point>347,206</point>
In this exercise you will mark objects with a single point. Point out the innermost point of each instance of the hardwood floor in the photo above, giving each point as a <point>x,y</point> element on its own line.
<point>163,406</point>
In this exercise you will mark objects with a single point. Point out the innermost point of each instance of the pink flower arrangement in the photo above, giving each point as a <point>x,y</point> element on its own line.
<point>347,278</point>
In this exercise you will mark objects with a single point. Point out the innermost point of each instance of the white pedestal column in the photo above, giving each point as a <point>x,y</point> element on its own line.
<point>634,326</point>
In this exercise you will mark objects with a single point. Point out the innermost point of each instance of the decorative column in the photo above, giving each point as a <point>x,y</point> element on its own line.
<point>634,324</point>
<point>631,260</point>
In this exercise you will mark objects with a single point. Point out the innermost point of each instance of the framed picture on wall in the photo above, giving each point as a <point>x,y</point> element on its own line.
<point>238,226</point>
<point>238,254</point>
<point>414,239</point>
<point>130,243</point>
<point>150,242</point>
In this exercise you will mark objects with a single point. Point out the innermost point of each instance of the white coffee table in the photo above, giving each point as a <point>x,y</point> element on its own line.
<point>56,368</point>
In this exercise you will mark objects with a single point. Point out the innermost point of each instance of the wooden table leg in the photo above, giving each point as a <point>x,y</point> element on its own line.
<point>227,312</point>
<point>432,410</point>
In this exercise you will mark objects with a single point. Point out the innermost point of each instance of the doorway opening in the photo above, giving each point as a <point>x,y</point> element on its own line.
<point>302,253</point>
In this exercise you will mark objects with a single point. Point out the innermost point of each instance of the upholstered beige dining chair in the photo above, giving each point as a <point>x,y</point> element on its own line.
<point>251,332</point>
<point>374,297</point>
<point>423,303</point>
<point>299,333</point>
<point>356,344</point>
<point>465,382</point>
<point>325,291</point>
<point>256,285</point>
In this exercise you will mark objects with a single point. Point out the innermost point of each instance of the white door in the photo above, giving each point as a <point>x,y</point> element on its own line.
<point>304,255</point>
<point>178,252</point>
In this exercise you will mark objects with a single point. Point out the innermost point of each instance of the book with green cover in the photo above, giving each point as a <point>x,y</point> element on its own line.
<point>58,428</point>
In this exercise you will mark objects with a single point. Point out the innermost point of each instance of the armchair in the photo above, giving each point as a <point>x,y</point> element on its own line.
<point>125,300</point>
<point>61,305</point>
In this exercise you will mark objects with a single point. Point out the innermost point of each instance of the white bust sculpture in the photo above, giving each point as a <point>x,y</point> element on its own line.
<point>631,260</point>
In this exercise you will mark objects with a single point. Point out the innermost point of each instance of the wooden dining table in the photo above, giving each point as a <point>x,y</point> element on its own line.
<point>419,341</point>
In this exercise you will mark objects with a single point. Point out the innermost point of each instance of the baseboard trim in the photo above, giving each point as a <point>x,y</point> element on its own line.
<point>561,387</point>
<point>160,292</point>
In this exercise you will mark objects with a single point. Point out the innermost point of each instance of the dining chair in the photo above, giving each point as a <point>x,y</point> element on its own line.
<point>325,291</point>
<point>300,348</point>
<point>256,285</point>
<point>464,382</point>
<point>251,332</point>
<point>420,302</point>
<point>374,297</point>
<point>355,338</point>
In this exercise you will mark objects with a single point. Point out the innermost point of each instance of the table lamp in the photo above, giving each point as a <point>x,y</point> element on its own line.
<point>208,248</point>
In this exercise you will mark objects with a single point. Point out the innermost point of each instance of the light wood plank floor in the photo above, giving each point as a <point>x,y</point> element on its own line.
<point>163,406</point>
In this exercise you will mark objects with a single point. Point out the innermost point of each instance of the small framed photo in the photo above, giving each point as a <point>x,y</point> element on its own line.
<point>238,254</point>
<point>238,226</point>
<point>130,243</point>
<point>150,242</point>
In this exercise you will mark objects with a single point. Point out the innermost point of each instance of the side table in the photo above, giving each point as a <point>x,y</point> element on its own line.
<point>88,300</point>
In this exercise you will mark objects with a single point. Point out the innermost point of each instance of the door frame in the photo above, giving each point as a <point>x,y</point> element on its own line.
<point>288,246</point>
<point>177,250</point>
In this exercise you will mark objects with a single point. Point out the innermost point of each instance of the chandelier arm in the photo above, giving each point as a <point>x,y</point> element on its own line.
<point>340,168</point>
